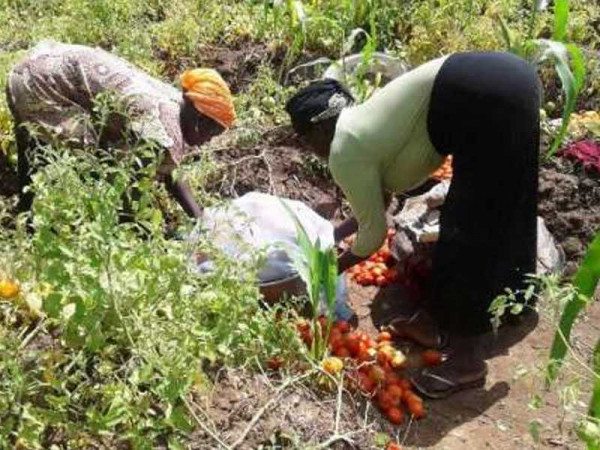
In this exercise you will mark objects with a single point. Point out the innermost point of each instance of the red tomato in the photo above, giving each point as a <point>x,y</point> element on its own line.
<point>384,336</point>
<point>416,408</point>
<point>275,363</point>
<point>405,384</point>
<point>335,333</point>
<point>393,445</point>
<point>392,275</point>
<point>392,378</point>
<point>341,352</point>
<point>432,357</point>
<point>352,341</point>
<point>384,400</point>
<point>377,374</point>
<point>395,415</point>
<point>365,383</point>
<point>368,279</point>
<point>395,391</point>
<point>302,325</point>
<point>343,326</point>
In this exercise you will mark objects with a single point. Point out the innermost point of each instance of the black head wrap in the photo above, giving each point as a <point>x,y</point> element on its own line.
<point>318,101</point>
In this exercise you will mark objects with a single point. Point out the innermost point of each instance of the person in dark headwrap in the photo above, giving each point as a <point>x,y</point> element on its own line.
<point>54,87</point>
<point>481,107</point>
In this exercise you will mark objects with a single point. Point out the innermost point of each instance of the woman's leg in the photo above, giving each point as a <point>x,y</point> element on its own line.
<point>485,110</point>
<point>25,148</point>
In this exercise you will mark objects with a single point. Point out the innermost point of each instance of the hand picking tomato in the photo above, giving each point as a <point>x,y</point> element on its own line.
<point>375,270</point>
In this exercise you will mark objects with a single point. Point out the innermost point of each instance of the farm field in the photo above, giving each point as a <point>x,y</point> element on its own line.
<point>111,339</point>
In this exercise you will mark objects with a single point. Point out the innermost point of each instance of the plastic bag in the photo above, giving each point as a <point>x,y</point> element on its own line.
<point>258,222</point>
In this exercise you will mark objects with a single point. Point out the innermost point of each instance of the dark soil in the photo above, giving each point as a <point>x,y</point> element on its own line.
<point>570,205</point>
<point>277,166</point>
<point>238,65</point>
<point>9,183</point>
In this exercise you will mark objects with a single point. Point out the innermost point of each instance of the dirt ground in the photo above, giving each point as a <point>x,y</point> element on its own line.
<point>270,415</point>
<point>497,416</point>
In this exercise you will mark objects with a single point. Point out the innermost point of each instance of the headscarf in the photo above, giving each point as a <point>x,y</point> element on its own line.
<point>318,101</point>
<point>210,95</point>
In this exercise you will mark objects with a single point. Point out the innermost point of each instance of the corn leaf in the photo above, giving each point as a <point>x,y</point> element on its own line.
<point>595,403</point>
<point>330,276</point>
<point>561,20</point>
<point>563,56</point>
<point>585,283</point>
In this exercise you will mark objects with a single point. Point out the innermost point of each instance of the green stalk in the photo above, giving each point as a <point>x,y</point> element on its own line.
<point>585,283</point>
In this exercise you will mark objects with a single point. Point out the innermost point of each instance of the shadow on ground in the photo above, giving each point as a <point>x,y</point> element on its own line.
<point>376,308</point>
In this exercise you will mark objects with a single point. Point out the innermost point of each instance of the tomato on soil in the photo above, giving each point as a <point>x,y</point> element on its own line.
<point>395,391</point>
<point>392,378</point>
<point>377,374</point>
<point>432,357</point>
<point>416,408</point>
<point>385,401</point>
<point>393,446</point>
<point>341,352</point>
<point>342,325</point>
<point>405,384</point>
<point>352,341</point>
<point>395,415</point>
<point>275,363</point>
<point>384,336</point>
<point>365,383</point>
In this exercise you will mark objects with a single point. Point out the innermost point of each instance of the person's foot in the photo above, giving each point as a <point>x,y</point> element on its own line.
<point>463,369</point>
<point>420,328</point>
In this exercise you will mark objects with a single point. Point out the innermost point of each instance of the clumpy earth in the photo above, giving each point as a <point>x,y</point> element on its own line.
<point>570,205</point>
<point>497,416</point>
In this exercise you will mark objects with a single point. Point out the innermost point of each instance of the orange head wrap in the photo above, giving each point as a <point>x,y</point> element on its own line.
<point>210,95</point>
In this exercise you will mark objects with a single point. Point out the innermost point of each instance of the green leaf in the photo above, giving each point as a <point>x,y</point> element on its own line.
<point>585,283</point>
<point>178,419</point>
<point>535,427</point>
<point>571,83</point>
<point>52,305</point>
<point>595,403</point>
<point>561,19</point>
<point>174,444</point>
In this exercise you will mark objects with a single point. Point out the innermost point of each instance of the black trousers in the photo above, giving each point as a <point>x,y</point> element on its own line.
<point>484,111</point>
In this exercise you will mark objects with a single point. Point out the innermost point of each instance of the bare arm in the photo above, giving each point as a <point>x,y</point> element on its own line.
<point>350,225</point>
<point>181,192</point>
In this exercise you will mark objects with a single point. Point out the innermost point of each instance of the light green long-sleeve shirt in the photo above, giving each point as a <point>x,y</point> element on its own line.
<point>383,145</point>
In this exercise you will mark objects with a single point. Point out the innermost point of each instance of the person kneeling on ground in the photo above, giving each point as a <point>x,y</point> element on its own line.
<point>481,107</point>
<point>54,86</point>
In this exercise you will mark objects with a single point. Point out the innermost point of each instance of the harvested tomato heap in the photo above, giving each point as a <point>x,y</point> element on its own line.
<point>373,367</point>
<point>377,270</point>
<point>444,172</point>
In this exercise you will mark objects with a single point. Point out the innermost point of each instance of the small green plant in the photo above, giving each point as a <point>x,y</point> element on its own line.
<point>567,58</point>
<point>318,269</point>
<point>585,283</point>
